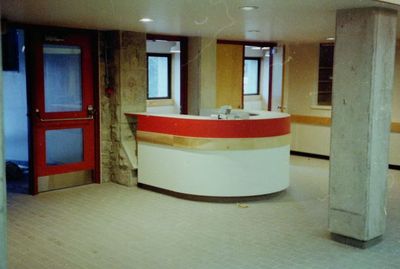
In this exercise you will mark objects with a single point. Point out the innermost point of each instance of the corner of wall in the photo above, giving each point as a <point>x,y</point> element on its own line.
<point>127,70</point>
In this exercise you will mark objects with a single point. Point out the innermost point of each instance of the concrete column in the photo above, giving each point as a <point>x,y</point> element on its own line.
<point>3,204</point>
<point>128,77</point>
<point>361,115</point>
<point>202,61</point>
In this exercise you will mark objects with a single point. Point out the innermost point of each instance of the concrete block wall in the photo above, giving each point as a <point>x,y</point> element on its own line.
<point>126,63</point>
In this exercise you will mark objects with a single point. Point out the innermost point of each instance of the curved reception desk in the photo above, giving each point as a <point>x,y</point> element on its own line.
<point>206,157</point>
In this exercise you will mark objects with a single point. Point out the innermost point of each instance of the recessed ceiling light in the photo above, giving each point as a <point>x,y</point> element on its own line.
<point>146,20</point>
<point>253,31</point>
<point>248,8</point>
<point>330,38</point>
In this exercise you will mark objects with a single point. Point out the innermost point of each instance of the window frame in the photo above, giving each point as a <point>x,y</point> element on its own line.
<point>322,70</point>
<point>258,59</point>
<point>160,55</point>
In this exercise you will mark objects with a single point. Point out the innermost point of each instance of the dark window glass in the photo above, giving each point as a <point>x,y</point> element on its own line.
<point>325,74</point>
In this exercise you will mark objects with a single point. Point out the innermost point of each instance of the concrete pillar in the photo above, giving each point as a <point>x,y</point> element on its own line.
<point>3,204</point>
<point>202,61</point>
<point>361,115</point>
<point>127,70</point>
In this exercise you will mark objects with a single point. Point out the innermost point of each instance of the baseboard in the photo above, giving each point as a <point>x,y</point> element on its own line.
<point>394,166</point>
<point>213,199</point>
<point>324,157</point>
<point>355,242</point>
<point>310,155</point>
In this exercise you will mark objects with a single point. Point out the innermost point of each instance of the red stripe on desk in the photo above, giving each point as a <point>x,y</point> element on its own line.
<point>213,128</point>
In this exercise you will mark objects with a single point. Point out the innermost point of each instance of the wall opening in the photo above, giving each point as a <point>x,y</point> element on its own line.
<point>15,110</point>
<point>257,73</point>
<point>170,51</point>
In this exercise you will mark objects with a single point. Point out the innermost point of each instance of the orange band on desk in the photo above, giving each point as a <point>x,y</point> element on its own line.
<point>211,128</point>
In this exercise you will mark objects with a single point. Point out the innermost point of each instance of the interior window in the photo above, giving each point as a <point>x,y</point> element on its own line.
<point>325,74</point>
<point>251,79</point>
<point>159,76</point>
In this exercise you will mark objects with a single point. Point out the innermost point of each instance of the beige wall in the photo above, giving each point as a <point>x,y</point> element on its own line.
<point>302,85</point>
<point>301,89</point>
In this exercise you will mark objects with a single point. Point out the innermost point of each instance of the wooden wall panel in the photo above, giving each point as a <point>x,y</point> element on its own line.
<point>325,121</point>
<point>230,75</point>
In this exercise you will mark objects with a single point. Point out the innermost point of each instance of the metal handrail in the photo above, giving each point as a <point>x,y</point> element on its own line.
<point>66,119</point>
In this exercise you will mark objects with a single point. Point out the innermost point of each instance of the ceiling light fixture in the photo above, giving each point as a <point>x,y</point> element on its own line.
<point>248,8</point>
<point>330,38</point>
<point>146,20</point>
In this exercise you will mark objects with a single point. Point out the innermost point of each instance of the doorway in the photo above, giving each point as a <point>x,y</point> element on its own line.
<point>15,110</point>
<point>63,109</point>
<point>167,74</point>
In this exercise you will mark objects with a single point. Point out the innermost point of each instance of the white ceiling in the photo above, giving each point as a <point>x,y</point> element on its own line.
<point>277,20</point>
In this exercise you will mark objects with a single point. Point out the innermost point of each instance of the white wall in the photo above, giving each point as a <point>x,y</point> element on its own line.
<point>301,88</point>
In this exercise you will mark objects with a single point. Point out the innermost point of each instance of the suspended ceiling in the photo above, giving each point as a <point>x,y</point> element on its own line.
<point>274,20</point>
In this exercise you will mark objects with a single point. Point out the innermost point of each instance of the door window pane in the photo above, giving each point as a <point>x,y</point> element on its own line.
<point>62,78</point>
<point>158,76</point>
<point>251,76</point>
<point>64,146</point>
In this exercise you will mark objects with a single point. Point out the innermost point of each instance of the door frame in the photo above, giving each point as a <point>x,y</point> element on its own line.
<point>271,45</point>
<point>283,78</point>
<point>35,31</point>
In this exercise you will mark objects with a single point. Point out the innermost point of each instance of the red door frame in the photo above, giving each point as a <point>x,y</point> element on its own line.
<point>34,38</point>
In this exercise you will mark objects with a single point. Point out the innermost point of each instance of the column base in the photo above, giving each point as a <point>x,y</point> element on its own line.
<point>355,242</point>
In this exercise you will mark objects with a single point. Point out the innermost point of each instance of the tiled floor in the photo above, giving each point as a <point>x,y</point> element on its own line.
<point>111,226</point>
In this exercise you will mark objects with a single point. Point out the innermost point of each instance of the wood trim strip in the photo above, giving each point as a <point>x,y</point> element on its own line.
<point>395,127</point>
<point>325,121</point>
<point>212,143</point>
<point>312,120</point>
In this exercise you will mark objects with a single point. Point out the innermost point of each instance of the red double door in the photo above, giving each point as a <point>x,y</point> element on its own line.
<point>62,110</point>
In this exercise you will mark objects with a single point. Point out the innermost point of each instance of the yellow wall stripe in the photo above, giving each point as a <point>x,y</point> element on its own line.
<point>325,121</point>
<point>213,143</point>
